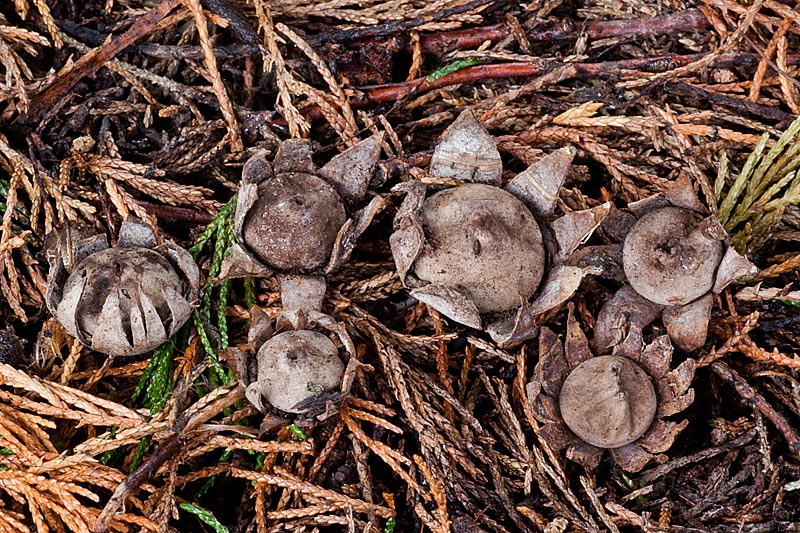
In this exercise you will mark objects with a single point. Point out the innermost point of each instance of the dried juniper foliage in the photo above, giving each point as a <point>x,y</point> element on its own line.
<point>150,108</point>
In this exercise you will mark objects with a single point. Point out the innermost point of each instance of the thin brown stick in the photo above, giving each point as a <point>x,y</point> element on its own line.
<point>96,58</point>
<point>170,213</point>
<point>225,105</point>
<point>751,396</point>
<point>567,30</point>
<point>686,89</point>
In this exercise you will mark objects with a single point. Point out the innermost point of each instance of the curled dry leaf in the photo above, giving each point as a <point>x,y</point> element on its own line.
<point>292,218</point>
<point>675,257</point>
<point>122,300</point>
<point>481,254</point>
<point>591,403</point>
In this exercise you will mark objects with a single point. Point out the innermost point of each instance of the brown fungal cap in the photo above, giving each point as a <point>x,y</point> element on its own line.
<point>608,401</point>
<point>668,257</point>
<point>294,222</point>
<point>295,366</point>
<point>588,404</point>
<point>484,243</point>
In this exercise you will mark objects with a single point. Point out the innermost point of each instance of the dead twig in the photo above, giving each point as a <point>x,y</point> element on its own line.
<point>379,94</point>
<point>568,30</point>
<point>751,396</point>
<point>163,453</point>
<point>96,58</point>
<point>355,34</point>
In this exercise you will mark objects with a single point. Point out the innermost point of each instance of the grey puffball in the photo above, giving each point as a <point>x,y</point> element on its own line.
<point>295,366</point>
<point>608,401</point>
<point>668,259</point>
<point>486,244</point>
<point>294,222</point>
<point>122,300</point>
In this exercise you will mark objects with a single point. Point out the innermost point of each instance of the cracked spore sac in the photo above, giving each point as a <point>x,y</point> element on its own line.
<point>294,222</point>
<point>127,270</point>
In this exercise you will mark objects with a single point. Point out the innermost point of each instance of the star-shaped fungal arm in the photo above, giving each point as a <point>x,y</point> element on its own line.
<point>675,258</point>
<point>588,404</point>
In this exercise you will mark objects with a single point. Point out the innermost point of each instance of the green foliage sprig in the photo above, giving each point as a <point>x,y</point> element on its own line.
<point>3,195</point>
<point>222,233</point>
<point>156,383</point>
<point>205,516</point>
<point>455,66</point>
<point>765,187</point>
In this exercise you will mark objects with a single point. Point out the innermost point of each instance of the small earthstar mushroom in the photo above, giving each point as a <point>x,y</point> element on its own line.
<point>121,300</point>
<point>292,219</point>
<point>480,253</point>
<point>588,404</point>
<point>675,257</point>
<point>295,371</point>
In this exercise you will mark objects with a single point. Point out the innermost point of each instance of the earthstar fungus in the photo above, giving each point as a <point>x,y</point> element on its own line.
<point>675,257</point>
<point>588,404</point>
<point>481,254</point>
<point>121,300</point>
<point>292,221</point>
<point>292,218</point>
<point>296,370</point>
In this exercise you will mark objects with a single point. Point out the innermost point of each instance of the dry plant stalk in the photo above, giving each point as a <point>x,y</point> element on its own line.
<point>17,70</point>
<point>216,80</point>
<point>47,17</point>
<point>273,59</point>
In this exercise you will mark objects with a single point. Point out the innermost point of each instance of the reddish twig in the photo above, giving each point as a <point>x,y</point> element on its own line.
<point>568,30</point>
<point>92,61</point>
<point>378,94</point>
<point>751,396</point>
